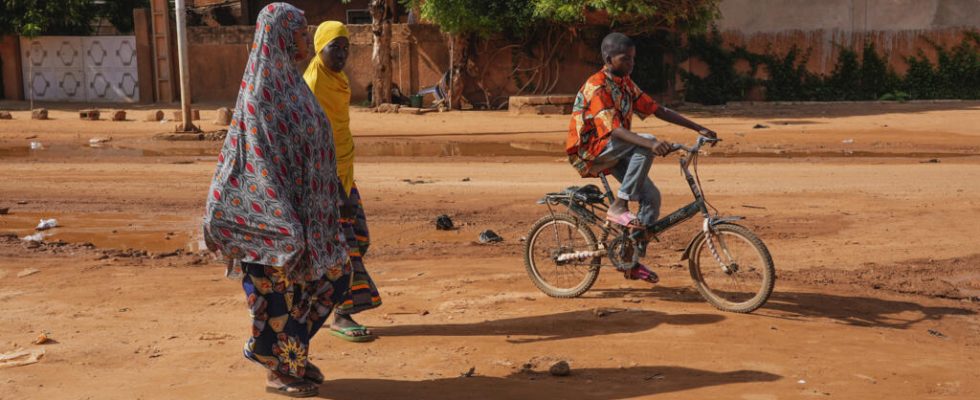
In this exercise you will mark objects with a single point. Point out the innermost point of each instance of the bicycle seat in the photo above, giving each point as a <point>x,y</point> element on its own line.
<point>587,194</point>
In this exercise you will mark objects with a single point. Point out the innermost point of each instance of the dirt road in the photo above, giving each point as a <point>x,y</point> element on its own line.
<point>869,211</point>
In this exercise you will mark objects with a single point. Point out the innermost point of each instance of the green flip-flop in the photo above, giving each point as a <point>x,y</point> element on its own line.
<point>343,334</point>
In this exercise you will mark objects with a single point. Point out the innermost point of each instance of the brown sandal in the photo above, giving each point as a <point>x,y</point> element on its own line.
<point>313,374</point>
<point>296,389</point>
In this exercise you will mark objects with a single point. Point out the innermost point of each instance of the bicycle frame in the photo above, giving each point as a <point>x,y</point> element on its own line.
<point>680,215</point>
<point>699,205</point>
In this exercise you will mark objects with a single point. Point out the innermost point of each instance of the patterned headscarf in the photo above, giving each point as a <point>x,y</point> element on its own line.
<point>274,197</point>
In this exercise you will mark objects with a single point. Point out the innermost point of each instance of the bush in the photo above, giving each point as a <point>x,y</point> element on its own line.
<point>955,75</point>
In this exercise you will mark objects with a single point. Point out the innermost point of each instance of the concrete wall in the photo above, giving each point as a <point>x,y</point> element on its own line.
<point>768,16</point>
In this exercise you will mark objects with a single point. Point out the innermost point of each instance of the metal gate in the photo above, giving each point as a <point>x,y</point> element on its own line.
<point>80,68</point>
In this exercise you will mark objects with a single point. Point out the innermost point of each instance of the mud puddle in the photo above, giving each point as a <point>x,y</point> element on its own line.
<point>98,151</point>
<point>454,149</point>
<point>154,233</point>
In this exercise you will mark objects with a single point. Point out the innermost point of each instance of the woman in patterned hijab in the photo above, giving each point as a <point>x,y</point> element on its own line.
<point>274,204</point>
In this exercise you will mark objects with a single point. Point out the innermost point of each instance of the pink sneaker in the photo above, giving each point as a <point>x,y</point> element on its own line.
<point>641,273</point>
<point>624,219</point>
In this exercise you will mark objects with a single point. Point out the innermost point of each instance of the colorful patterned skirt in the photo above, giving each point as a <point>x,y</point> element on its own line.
<point>363,293</point>
<point>285,316</point>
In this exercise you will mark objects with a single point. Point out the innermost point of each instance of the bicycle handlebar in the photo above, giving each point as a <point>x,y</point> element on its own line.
<point>697,146</point>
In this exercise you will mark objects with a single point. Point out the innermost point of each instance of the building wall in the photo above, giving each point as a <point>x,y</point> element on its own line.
<point>421,54</point>
<point>218,56</point>
<point>10,70</point>
<point>772,16</point>
<point>897,28</point>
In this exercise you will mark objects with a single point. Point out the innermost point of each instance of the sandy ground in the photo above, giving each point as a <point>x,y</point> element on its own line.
<point>869,211</point>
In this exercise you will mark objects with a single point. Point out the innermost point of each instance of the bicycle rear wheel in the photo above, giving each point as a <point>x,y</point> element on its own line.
<point>743,279</point>
<point>551,237</point>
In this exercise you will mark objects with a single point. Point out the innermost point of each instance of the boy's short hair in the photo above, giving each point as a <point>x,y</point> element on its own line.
<point>615,44</point>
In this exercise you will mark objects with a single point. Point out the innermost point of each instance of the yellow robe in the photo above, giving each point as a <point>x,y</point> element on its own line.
<point>332,91</point>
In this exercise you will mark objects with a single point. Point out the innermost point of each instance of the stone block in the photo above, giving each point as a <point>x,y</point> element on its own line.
<point>387,108</point>
<point>39,113</point>
<point>224,117</point>
<point>195,115</point>
<point>547,109</point>
<point>154,116</point>
<point>90,115</point>
<point>561,99</point>
<point>6,115</point>
<point>119,115</point>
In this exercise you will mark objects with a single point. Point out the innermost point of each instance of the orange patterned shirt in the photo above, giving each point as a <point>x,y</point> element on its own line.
<point>605,102</point>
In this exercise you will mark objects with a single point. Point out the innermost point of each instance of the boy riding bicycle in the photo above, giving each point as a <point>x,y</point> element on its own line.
<point>600,140</point>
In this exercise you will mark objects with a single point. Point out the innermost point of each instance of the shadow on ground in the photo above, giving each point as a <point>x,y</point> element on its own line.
<point>567,325</point>
<point>586,384</point>
<point>852,310</point>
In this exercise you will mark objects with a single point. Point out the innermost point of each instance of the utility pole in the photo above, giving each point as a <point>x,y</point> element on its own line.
<point>185,80</point>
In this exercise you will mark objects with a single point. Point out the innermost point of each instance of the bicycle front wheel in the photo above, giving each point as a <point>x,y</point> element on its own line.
<point>549,244</point>
<point>732,269</point>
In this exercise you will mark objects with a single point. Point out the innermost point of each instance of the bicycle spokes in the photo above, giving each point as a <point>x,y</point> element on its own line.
<point>728,275</point>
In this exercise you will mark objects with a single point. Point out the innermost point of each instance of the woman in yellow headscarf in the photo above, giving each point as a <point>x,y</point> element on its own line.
<point>329,84</point>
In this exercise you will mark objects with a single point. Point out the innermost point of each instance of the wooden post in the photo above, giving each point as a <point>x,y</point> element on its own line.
<point>162,65</point>
<point>13,74</point>
<point>144,54</point>
<point>185,77</point>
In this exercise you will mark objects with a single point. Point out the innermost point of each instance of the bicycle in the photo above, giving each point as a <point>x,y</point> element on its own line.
<point>713,254</point>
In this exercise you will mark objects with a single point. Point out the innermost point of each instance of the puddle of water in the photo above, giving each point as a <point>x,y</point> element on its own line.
<point>182,152</point>
<point>63,151</point>
<point>467,149</point>
<point>795,122</point>
<point>112,230</point>
<point>417,149</point>
<point>837,154</point>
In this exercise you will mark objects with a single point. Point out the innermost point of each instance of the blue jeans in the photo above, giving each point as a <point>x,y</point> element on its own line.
<point>630,164</point>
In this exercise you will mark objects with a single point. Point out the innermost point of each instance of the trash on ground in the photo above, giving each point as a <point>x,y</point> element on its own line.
<point>36,145</point>
<point>99,140</point>
<point>37,237</point>
<point>847,141</point>
<point>930,161</point>
<point>937,334</point>
<point>46,224</point>
<point>489,236</point>
<point>444,223</point>
<point>21,357</point>
<point>27,272</point>
<point>760,126</point>
<point>42,338</point>
<point>560,368</point>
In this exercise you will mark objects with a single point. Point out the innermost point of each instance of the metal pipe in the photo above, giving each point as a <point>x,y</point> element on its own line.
<point>185,84</point>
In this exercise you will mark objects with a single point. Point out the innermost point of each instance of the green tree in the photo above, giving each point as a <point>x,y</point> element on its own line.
<point>467,20</point>
<point>632,16</point>
<point>64,17</point>
<point>39,17</point>
<point>120,12</point>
